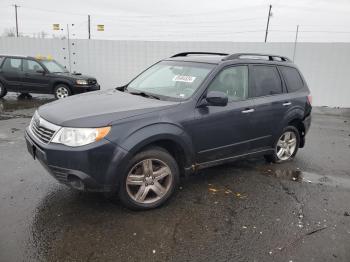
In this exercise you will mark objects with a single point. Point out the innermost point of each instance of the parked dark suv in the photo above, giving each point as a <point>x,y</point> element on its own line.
<point>41,75</point>
<point>185,113</point>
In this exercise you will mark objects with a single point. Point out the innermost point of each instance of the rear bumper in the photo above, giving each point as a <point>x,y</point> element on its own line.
<point>78,89</point>
<point>98,165</point>
<point>306,124</point>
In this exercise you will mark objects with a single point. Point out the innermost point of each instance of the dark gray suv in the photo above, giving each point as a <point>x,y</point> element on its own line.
<point>188,112</point>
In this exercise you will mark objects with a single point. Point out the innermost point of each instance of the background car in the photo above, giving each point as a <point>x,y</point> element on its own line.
<point>41,75</point>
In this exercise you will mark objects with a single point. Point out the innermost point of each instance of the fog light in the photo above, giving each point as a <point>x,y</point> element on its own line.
<point>76,182</point>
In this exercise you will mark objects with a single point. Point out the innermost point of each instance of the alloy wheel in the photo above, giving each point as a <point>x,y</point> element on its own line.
<point>286,145</point>
<point>62,92</point>
<point>148,181</point>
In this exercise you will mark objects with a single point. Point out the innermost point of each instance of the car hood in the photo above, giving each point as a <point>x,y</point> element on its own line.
<point>74,76</point>
<point>97,109</point>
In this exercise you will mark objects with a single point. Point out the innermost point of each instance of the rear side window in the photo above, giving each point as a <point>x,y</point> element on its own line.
<point>265,81</point>
<point>292,77</point>
<point>12,65</point>
<point>1,59</point>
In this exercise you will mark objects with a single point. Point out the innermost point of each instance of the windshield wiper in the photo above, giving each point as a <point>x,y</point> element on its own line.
<point>144,95</point>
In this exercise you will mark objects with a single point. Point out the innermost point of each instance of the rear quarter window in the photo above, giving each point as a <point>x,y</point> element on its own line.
<point>292,78</point>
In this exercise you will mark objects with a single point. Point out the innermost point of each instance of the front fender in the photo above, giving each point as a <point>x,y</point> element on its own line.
<point>156,132</point>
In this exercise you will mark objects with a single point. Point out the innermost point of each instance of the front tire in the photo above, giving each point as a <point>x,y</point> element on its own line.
<point>62,91</point>
<point>3,90</point>
<point>150,180</point>
<point>286,146</point>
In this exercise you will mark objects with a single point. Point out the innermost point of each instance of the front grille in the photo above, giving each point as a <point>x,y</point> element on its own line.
<point>42,129</point>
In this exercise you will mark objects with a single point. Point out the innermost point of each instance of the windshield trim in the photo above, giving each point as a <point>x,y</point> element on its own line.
<point>173,62</point>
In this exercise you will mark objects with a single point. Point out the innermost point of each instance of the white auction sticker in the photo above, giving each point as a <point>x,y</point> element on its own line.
<point>186,79</point>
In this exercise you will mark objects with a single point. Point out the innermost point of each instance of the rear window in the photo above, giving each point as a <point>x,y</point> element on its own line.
<point>266,81</point>
<point>12,65</point>
<point>293,79</point>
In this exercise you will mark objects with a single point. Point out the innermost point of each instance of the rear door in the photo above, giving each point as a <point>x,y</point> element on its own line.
<point>270,105</point>
<point>35,78</point>
<point>12,74</point>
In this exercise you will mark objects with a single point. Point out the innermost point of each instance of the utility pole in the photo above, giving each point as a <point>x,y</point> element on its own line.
<point>16,6</point>
<point>268,22</point>
<point>68,41</point>
<point>89,27</point>
<point>295,42</point>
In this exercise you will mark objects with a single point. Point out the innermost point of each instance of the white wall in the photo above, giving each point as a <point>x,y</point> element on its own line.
<point>324,65</point>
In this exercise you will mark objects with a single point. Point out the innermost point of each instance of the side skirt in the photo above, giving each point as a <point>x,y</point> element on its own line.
<point>199,166</point>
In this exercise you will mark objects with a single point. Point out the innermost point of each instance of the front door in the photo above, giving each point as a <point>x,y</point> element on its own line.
<point>224,132</point>
<point>35,78</point>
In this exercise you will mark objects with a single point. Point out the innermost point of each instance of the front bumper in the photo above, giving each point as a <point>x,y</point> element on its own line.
<point>98,165</point>
<point>78,89</point>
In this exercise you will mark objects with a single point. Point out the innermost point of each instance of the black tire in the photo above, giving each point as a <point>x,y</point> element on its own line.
<point>155,153</point>
<point>3,90</point>
<point>62,91</point>
<point>274,158</point>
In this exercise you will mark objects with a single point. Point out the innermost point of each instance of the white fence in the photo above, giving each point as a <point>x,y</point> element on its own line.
<point>325,65</point>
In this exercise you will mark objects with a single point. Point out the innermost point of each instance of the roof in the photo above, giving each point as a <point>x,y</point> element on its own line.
<point>30,57</point>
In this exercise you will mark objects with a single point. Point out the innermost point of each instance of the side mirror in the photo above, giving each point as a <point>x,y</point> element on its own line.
<point>215,98</point>
<point>40,71</point>
<point>121,88</point>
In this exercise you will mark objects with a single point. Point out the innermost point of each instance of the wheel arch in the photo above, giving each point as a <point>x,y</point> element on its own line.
<point>60,82</point>
<point>295,118</point>
<point>166,135</point>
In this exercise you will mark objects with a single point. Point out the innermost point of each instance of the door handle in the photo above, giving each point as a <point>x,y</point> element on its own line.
<point>247,111</point>
<point>287,104</point>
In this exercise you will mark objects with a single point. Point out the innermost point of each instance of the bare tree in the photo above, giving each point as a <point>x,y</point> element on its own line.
<point>42,34</point>
<point>9,32</point>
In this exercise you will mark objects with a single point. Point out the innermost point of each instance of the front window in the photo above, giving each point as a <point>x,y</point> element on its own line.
<point>171,79</point>
<point>53,66</point>
<point>232,81</point>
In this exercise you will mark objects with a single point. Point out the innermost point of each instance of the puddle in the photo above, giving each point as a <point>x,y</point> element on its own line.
<point>12,103</point>
<point>308,177</point>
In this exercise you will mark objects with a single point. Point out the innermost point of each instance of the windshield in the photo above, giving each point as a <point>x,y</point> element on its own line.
<point>53,66</point>
<point>171,79</point>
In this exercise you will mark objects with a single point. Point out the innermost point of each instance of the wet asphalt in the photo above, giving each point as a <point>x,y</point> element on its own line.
<point>245,211</point>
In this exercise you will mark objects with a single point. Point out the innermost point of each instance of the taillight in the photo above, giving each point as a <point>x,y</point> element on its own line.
<point>309,98</point>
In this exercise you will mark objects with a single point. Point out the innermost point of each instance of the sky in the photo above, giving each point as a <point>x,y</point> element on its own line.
<point>185,20</point>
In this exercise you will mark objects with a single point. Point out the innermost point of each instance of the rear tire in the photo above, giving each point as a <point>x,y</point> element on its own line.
<point>150,179</point>
<point>3,90</point>
<point>62,91</point>
<point>286,146</point>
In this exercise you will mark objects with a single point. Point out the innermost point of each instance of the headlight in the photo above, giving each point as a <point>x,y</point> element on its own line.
<point>82,82</point>
<point>79,136</point>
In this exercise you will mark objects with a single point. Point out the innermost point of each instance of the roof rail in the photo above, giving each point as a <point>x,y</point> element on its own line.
<point>198,53</point>
<point>256,56</point>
